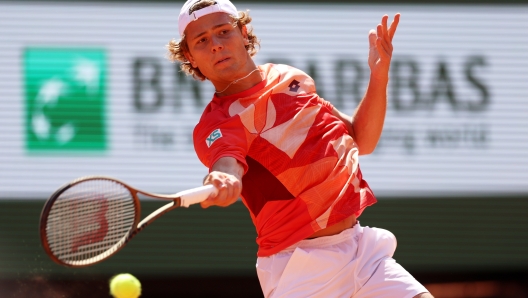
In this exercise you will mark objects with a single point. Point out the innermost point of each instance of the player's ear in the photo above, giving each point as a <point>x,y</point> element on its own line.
<point>190,58</point>
<point>245,35</point>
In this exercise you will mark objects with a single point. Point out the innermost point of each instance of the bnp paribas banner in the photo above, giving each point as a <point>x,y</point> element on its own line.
<point>86,89</point>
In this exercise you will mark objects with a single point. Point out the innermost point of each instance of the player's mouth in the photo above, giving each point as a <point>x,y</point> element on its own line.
<point>222,60</point>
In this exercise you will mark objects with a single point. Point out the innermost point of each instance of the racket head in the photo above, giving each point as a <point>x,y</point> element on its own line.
<point>88,220</point>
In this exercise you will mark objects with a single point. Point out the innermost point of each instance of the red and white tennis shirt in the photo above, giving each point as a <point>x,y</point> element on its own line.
<point>301,165</point>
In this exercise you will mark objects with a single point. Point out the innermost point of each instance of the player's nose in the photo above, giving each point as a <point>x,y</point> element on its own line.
<point>216,44</point>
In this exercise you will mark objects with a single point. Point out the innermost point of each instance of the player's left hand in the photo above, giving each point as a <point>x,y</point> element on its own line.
<point>380,47</point>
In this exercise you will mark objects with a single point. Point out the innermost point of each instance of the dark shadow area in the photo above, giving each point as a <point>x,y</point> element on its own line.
<point>211,286</point>
<point>476,284</point>
<point>442,285</point>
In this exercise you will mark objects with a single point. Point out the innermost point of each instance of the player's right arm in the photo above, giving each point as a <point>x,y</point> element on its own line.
<point>220,143</point>
<point>226,176</point>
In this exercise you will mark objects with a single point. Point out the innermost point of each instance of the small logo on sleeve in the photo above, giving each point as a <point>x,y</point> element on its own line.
<point>215,135</point>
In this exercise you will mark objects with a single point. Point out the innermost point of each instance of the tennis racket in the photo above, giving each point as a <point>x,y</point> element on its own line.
<point>90,219</point>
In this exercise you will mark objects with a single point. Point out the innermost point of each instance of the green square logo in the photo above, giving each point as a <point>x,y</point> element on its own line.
<point>65,99</point>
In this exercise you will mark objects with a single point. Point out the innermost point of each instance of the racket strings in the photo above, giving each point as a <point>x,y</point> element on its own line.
<point>89,220</point>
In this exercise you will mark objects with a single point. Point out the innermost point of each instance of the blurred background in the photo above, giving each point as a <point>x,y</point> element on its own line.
<point>86,89</point>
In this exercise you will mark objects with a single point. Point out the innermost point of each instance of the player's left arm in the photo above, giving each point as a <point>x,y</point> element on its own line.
<point>366,124</point>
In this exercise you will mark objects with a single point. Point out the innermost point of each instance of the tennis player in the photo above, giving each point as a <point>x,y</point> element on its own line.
<point>267,137</point>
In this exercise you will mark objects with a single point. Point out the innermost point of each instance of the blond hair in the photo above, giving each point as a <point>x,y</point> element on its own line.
<point>178,48</point>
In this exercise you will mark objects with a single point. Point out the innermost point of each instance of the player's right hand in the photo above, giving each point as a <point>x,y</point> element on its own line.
<point>229,189</point>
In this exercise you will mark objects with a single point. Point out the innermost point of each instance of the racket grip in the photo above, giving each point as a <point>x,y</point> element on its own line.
<point>196,195</point>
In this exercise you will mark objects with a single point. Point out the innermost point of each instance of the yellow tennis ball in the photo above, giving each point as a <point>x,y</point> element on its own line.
<point>125,286</point>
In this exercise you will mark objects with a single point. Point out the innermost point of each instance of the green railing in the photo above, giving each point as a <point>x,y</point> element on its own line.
<point>434,236</point>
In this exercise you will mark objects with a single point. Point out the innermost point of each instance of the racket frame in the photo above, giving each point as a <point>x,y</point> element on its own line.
<point>136,227</point>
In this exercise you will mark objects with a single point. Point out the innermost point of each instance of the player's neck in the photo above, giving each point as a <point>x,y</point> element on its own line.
<point>250,78</point>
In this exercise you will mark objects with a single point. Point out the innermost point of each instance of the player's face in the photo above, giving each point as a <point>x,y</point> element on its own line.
<point>217,48</point>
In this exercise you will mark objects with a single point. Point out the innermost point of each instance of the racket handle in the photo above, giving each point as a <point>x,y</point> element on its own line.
<point>196,195</point>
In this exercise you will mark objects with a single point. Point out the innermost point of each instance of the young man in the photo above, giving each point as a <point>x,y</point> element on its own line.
<point>267,137</point>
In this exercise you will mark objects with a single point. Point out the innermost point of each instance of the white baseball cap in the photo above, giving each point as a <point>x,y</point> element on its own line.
<point>220,6</point>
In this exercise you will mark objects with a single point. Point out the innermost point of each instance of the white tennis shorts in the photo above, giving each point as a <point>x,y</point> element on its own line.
<point>355,263</point>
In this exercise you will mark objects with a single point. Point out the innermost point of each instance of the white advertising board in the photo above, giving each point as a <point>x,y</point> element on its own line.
<point>85,89</point>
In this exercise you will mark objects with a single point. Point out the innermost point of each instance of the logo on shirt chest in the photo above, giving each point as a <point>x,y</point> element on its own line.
<point>294,86</point>
<point>215,135</point>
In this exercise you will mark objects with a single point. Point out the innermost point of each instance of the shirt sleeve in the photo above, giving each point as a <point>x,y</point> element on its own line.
<point>217,136</point>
